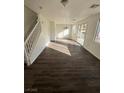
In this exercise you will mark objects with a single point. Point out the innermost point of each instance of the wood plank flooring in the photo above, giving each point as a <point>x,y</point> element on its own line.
<point>57,71</point>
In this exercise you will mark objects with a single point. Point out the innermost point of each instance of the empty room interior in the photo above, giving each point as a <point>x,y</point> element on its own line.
<point>61,46</point>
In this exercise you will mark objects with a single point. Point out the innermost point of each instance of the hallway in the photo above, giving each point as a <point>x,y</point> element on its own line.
<point>63,67</point>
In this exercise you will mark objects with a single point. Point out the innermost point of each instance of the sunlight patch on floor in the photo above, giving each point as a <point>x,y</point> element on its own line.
<point>68,42</point>
<point>59,47</point>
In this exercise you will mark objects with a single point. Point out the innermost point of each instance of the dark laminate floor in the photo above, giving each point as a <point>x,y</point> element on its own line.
<point>75,71</point>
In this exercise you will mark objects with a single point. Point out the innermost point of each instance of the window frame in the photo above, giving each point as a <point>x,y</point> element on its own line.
<point>96,32</point>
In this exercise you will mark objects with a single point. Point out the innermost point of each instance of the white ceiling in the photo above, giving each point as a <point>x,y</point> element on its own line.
<point>54,10</point>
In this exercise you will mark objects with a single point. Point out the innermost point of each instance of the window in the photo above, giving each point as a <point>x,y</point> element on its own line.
<point>81,33</point>
<point>97,37</point>
<point>64,33</point>
<point>74,29</point>
<point>83,28</point>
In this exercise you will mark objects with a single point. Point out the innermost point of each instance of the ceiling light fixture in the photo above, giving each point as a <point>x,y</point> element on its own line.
<point>41,7</point>
<point>73,19</point>
<point>64,2</point>
<point>94,6</point>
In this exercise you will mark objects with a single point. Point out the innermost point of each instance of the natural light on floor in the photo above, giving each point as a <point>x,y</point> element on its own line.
<point>68,42</point>
<point>59,47</point>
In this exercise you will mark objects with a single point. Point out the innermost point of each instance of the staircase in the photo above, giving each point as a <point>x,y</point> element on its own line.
<point>31,42</point>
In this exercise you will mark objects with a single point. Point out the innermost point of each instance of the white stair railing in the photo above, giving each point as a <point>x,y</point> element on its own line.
<point>31,41</point>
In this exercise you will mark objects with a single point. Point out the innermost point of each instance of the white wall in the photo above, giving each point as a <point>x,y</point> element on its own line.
<point>52,31</point>
<point>29,19</point>
<point>89,42</point>
<point>60,30</point>
<point>74,31</point>
<point>44,37</point>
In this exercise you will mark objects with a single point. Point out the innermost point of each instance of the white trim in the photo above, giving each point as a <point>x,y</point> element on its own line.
<point>97,26</point>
